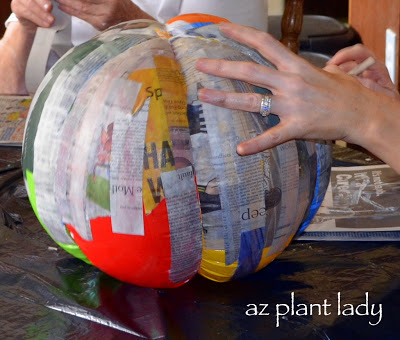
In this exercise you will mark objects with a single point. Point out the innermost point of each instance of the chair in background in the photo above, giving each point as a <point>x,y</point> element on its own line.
<point>315,38</point>
<point>291,24</point>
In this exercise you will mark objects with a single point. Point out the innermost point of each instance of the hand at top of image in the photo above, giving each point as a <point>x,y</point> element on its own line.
<point>33,13</point>
<point>102,14</point>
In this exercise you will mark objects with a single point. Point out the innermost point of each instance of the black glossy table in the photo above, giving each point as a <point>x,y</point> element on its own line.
<point>45,293</point>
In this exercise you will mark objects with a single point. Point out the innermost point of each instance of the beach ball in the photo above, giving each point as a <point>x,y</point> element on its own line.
<point>127,170</point>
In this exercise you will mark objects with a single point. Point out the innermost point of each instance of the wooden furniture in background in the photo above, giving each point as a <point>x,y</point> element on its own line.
<point>292,21</point>
<point>5,11</point>
<point>371,18</point>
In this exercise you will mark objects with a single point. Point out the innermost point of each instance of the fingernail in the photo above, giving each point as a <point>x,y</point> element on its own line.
<point>239,150</point>
<point>200,63</point>
<point>49,19</point>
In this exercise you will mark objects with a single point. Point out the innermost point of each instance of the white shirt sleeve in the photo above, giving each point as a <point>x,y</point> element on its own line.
<point>163,10</point>
<point>11,18</point>
<point>81,31</point>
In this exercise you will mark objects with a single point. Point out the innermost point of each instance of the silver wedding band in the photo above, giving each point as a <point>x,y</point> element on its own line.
<point>265,107</point>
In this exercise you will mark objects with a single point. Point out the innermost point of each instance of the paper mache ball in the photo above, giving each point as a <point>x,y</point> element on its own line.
<point>127,170</point>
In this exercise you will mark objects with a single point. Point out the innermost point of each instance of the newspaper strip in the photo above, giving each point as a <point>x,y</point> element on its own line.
<point>126,172</point>
<point>185,225</point>
<point>233,190</point>
<point>361,203</point>
<point>107,185</point>
<point>49,141</point>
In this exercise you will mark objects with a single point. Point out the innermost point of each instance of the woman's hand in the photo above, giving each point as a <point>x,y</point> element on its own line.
<point>311,103</point>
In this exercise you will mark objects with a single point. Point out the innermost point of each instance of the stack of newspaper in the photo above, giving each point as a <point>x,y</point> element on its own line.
<point>361,203</point>
<point>13,113</point>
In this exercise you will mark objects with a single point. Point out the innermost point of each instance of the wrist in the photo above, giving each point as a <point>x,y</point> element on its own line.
<point>382,136</point>
<point>24,29</point>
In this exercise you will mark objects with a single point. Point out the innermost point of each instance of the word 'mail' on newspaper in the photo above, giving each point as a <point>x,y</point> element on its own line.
<point>13,113</point>
<point>361,203</point>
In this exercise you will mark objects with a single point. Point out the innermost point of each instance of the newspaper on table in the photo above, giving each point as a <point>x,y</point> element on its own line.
<point>361,203</point>
<point>13,113</point>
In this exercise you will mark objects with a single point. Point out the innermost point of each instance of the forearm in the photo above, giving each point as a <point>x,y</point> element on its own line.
<point>14,51</point>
